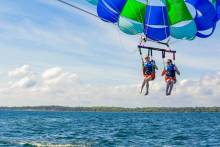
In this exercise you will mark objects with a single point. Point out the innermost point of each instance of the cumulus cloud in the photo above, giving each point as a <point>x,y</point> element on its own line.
<point>22,77</point>
<point>56,86</point>
<point>207,87</point>
<point>25,82</point>
<point>55,79</point>
<point>21,71</point>
<point>52,73</point>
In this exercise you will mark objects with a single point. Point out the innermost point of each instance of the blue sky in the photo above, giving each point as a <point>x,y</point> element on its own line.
<point>41,37</point>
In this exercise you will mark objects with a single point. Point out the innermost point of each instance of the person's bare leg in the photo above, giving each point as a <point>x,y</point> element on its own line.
<point>142,86</point>
<point>147,86</point>
<point>171,86</point>
<point>167,87</point>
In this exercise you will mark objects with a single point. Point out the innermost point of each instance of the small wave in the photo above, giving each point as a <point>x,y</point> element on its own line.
<point>36,144</point>
<point>180,137</point>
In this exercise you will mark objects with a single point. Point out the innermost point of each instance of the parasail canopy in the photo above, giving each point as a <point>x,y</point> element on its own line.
<point>161,19</point>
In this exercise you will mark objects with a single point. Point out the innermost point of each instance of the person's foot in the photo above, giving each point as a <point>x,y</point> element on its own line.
<point>141,91</point>
<point>167,94</point>
<point>146,93</point>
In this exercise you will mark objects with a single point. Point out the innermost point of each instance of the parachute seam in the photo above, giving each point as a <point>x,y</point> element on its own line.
<point>164,23</point>
<point>148,20</point>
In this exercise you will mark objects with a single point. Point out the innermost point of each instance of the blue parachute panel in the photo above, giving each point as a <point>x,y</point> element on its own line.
<point>157,34</point>
<point>116,5</point>
<point>109,10</point>
<point>201,35</point>
<point>206,16</point>
<point>105,13</point>
<point>203,24</point>
<point>156,23</point>
<point>218,9</point>
<point>156,15</point>
<point>207,19</point>
<point>206,13</point>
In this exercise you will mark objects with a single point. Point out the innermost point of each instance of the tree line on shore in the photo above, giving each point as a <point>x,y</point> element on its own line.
<point>113,109</point>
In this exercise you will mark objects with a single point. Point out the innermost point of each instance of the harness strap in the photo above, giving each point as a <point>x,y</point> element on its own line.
<point>163,54</point>
<point>163,57</point>
<point>140,51</point>
<point>150,52</point>
<point>174,56</point>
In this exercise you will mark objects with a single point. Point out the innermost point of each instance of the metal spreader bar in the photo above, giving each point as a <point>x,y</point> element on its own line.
<point>164,51</point>
<point>156,49</point>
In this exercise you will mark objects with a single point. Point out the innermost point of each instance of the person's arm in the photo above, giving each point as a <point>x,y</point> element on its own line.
<point>142,60</point>
<point>177,70</point>
<point>155,66</point>
<point>163,72</point>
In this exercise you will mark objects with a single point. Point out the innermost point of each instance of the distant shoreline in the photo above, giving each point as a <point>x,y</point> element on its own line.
<point>112,109</point>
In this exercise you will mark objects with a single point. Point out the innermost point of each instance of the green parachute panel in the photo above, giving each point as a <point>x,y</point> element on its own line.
<point>134,10</point>
<point>177,11</point>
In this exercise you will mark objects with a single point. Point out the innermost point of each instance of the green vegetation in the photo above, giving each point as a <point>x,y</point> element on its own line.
<point>113,109</point>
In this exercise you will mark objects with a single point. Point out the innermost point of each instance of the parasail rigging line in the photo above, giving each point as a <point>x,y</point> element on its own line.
<point>94,15</point>
<point>82,10</point>
<point>77,8</point>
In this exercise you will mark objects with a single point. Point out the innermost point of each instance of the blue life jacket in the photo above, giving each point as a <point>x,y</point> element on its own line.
<point>148,68</point>
<point>171,72</point>
<point>153,64</point>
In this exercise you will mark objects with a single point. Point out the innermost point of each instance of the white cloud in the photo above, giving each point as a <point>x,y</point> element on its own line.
<point>21,71</point>
<point>52,73</point>
<point>55,79</point>
<point>207,87</point>
<point>25,82</point>
<point>22,77</point>
<point>56,86</point>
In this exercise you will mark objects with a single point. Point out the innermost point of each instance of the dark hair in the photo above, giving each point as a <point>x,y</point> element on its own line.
<point>170,60</point>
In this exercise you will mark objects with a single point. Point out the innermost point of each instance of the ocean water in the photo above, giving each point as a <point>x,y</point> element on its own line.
<point>82,129</point>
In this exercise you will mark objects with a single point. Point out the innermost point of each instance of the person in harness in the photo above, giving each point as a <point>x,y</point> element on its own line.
<point>170,76</point>
<point>149,72</point>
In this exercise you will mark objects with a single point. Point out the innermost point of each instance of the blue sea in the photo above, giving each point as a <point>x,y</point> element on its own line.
<point>103,129</point>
